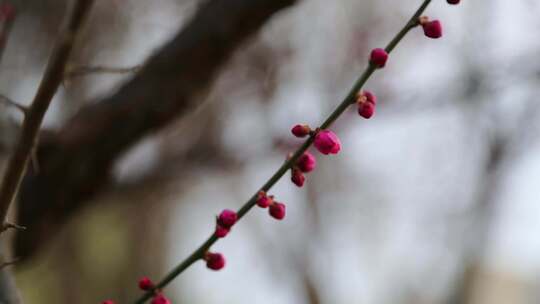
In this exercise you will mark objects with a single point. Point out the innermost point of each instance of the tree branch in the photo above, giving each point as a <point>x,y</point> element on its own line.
<point>75,163</point>
<point>199,252</point>
<point>34,116</point>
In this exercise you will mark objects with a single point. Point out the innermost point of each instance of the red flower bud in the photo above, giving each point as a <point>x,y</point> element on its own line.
<point>301,130</point>
<point>214,261</point>
<point>327,142</point>
<point>277,211</point>
<point>454,2</point>
<point>227,218</point>
<point>263,200</point>
<point>378,57</point>
<point>366,110</point>
<point>221,232</point>
<point>160,299</point>
<point>366,96</point>
<point>306,162</point>
<point>432,29</point>
<point>297,177</point>
<point>145,283</point>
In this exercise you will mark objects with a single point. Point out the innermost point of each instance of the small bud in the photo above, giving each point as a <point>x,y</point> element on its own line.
<point>221,232</point>
<point>432,29</point>
<point>214,261</point>
<point>366,96</point>
<point>277,211</point>
<point>301,130</point>
<point>160,299</point>
<point>297,177</point>
<point>453,2</point>
<point>366,110</point>
<point>108,302</point>
<point>227,218</point>
<point>327,142</point>
<point>378,57</point>
<point>263,200</point>
<point>306,162</point>
<point>145,283</point>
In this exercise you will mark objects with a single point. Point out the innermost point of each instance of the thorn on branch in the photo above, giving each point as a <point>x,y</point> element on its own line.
<point>11,103</point>
<point>9,225</point>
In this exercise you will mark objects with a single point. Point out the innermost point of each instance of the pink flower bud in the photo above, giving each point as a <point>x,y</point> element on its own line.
<point>297,177</point>
<point>455,2</point>
<point>108,302</point>
<point>366,96</point>
<point>306,162</point>
<point>277,211</point>
<point>378,57</point>
<point>145,283</point>
<point>432,29</point>
<point>227,218</point>
<point>366,110</point>
<point>214,261</point>
<point>327,142</point>
<point>160,299</point>
<point>221,232</point>
<point>301,130</point>
<point>263,200</point>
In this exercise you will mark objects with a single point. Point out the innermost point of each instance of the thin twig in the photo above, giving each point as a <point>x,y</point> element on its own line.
<point>34,116</point>
<point>76,71</point>
<point>350,99</point>
<point>4,99</point>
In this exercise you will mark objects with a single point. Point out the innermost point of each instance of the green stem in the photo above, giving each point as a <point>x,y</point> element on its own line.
<point>350,99</point>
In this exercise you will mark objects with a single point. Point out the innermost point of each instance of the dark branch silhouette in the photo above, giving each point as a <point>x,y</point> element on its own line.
<point>75,162</point>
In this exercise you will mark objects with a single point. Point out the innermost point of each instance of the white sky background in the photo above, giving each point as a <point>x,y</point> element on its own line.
<point>393,202</point>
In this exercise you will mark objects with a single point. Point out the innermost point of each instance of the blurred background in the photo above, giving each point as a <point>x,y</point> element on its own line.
<point>434,200</point>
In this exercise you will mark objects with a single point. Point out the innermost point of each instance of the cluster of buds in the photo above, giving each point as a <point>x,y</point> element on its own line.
<point>145,284</point>
<point>324,140</point>
<point>275,209</point>
<point>305,163</point>
<point>224,222</point>
<point>366,102</point>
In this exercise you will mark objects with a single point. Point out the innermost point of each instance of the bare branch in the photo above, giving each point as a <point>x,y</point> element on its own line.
<point>14,104</point>
<point>34,116</point>
<point>75,163</point>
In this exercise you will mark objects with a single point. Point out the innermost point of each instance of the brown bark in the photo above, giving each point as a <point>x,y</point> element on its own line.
<point>75,162</point>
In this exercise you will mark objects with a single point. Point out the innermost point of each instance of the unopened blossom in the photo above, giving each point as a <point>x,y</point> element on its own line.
<point>145,283</point>
<point>297,177</point>
<point>263,200</point>
<point>277,211</point>
<point>221,231</point>
<point>227,218</point>
<point>160,299</point>
<point>327,142</point>
<point>432,29</point>
<point>378,57</point>
<point>214,261</point>
<point>301,130</point>
<point>306,162</point>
